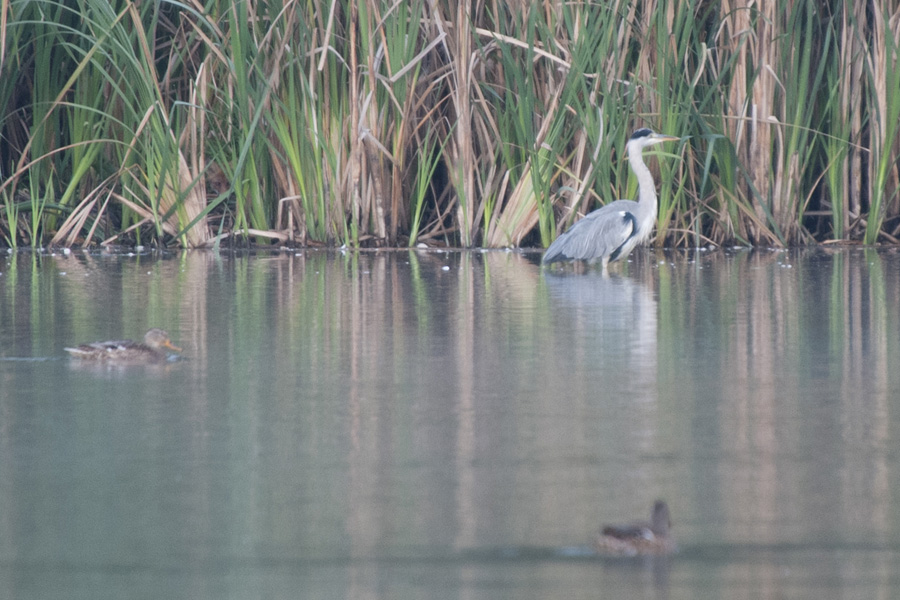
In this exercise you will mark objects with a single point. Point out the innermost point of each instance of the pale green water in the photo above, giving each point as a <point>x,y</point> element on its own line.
<point>451,425</point>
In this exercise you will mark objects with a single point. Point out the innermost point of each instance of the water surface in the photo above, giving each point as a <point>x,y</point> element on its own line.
<point>446,425</point>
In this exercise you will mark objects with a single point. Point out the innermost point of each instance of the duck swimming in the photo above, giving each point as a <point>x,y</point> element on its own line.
<point>641,538</point>
<point>151,350</point>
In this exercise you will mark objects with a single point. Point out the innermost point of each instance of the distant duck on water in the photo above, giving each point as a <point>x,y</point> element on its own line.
<point>152,350</point>
<point>640,538</point>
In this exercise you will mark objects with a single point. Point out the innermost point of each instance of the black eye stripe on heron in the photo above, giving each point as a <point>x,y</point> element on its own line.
<point>612,232</point>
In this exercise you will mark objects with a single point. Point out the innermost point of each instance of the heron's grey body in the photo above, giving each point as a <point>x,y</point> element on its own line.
<point>612,232</point>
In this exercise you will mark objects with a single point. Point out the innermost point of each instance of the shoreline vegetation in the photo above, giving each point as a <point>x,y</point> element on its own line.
<point>373,123</point>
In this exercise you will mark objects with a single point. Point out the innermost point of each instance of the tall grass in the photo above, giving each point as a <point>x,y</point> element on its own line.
<point>368,122</point>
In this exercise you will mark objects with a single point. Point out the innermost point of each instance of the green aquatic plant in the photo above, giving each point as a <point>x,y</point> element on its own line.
<point>373,122</point>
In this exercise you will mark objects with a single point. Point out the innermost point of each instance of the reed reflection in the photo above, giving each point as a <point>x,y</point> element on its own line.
<point>789,355</point>
<point>382,405</point>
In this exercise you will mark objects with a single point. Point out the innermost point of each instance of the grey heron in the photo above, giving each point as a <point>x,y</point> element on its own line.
<point>612,232</point>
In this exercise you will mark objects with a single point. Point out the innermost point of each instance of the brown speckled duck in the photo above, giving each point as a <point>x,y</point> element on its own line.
<point>641,538</point>
<point>151,350</point>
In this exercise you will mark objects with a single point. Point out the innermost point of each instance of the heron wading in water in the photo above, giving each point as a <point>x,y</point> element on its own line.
<point>610,233</point>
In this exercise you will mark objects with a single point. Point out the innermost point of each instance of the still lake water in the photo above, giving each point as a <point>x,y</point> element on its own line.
<point>451,425</point>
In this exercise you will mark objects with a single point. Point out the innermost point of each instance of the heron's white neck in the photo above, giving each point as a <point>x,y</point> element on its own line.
<point>647,207</point>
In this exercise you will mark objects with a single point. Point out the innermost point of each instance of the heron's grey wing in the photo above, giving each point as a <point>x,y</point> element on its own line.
<point>595,236</point>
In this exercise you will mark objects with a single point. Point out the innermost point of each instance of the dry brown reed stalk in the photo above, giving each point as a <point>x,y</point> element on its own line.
<point>645,67</point>
<point>354,174</point>
<point>374,150</point>
<point>462,154</point>
<point>893,145</point>
<point>851,84</point>
<point>752,39</point>
<point>884,96</point>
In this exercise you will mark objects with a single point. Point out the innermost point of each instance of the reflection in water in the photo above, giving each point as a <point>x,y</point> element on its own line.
<point>605,347</point>
<point>375,423</point>
<point>619,309</point>
<point>118,370</point>
<point>788,349</point>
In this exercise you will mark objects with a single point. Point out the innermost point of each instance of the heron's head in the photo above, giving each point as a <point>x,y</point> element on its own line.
<point>647,137</point>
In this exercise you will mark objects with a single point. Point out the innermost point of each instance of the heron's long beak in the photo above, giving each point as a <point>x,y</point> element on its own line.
<point>665,138</point>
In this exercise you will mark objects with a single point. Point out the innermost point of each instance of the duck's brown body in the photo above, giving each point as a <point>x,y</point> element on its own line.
<point>641,538</point>
<point>153,349</point>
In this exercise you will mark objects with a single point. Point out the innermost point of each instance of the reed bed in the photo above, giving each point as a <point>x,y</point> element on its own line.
<point>365,122</point>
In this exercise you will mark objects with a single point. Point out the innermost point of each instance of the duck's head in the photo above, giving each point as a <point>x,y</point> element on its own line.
<point>158,339</point>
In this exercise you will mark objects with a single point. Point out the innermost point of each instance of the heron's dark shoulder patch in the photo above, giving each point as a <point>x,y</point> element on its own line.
<point>629,221</point>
